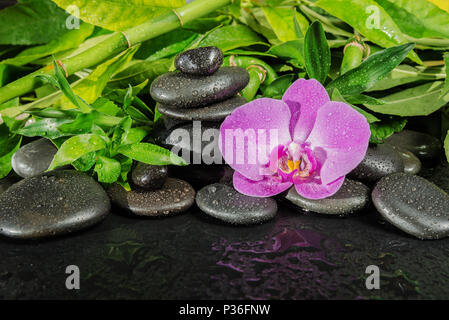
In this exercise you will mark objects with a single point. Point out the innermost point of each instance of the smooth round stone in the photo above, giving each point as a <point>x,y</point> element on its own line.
<point>352,197</point>
<point>202,175</point>
<point>175,196</point>
<point>33,158</point>
<point>414,205</point>
<point>380,160</point>
<point>194,139</point>
<point>214,112</point>
<point>200,61</point>
<point>52,203</point>
<point>187,91</point>
<point>7,182</point>
<point>223,202</point>
<point>148,176</point>
<point>412,164</point>
<point>422,145</point>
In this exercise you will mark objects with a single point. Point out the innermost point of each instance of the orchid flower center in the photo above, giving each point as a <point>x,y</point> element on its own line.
<point>293,162</point>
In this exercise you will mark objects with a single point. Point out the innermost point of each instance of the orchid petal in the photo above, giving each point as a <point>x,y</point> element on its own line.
<point>261,126</point>
<point>268,187</point>
<point>304,98</point>
<point>343,133</point>
<point>316,190</point>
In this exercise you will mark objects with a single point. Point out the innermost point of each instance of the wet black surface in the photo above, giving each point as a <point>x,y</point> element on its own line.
<point>296,256</point>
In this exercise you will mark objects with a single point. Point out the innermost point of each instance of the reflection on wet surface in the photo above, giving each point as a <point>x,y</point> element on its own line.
<point>297,256</point>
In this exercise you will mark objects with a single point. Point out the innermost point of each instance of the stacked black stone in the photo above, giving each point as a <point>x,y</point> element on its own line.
<point>196,99</point>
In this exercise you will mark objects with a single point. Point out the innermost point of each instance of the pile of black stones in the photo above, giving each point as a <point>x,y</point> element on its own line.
<point>197,97</point>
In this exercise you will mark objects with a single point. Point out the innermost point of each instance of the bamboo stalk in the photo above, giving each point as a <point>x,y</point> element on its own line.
<point>116,44</point>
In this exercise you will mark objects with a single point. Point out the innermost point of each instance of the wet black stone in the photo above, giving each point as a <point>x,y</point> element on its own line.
<point>352,197</point>
<point>182,138</point>
<point>202,175</point>
<point>424,146</point>
<point>176,196</point>
<point>223,202</point>
<point>7,182</point>
<point>380,161</point>
<point>33,158</point>
<point>149,177</point>
<point>186,91</point>
<point>412,164</point>
<point>52,203</point>
<point>214,112</point>
<point>200,61</point>
<point>413,205</point>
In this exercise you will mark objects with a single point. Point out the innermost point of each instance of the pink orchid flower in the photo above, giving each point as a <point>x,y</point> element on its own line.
<point>317,143</point>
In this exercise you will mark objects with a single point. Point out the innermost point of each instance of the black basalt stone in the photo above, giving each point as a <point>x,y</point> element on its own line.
<point>195,140</point>
<point>33,158</point>
<point>352,197</point>
<point>148,176</point>
<point>380,161</point>
<point>200,61</point>
<point>214,112</point>
<point>176,196</point>
<point>187,91</point>
<point>52,203</point>
<point>424,146</point>
<point>413,205</point>
<point>223,202</point>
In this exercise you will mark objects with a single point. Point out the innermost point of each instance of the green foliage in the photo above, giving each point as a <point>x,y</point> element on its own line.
<point>119,15</point>
<point>417,101</point>
<point>32,22</point>
<point>373,69</point>
<point>370,19</point>
<point>317,55</point>
<point>418,18</point>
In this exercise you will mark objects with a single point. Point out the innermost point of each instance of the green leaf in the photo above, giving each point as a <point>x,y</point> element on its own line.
<point>32,22</point>
<point>445,90</point>
<point>106,106</point>
<point>337,96</point>
<point>9,73</point>
<point>119,15</point>
<point>405,74</point>
<point>418,18</point>
<point>67,91</point>
<point>150,154</point>
<point>277,88</point>
<point>140,71</point>
<point>135,135</point>
<point>47,128</point>
<point>69,40</point>
<point>8,140</point>
<point>364,99</point>
<point>291,51</point>
<point>166,45</point>
<point>418,101</point>
<point>76,147</point>
<point>282,21</point>
<point>81,125</point>
<point>107,169</point>
<point>386,128</point>
<point>231,37</point>
<point>446,146</point>
<point>86,162</point>
<point>373,69</point>
<point>370,19</point>
<point>5,161</point>
<point>317,54</point>
<point>91,87</point>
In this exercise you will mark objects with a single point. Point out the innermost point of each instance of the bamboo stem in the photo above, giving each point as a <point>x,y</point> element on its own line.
<point>116,44</point>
